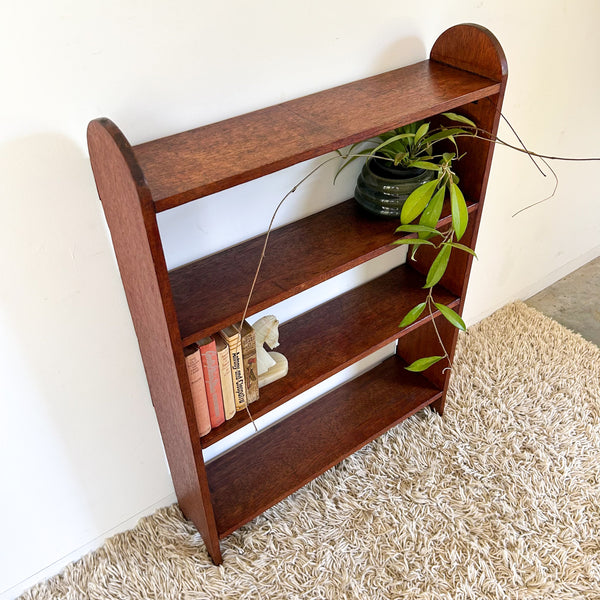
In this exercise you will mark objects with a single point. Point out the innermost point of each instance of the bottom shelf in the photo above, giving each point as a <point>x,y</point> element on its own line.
<point>254,476</point>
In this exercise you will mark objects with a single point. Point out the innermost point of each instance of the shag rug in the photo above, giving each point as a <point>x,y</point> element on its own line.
<point>500,498</point>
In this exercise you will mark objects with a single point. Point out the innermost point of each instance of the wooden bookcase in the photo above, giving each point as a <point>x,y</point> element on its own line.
<point>170,309</point>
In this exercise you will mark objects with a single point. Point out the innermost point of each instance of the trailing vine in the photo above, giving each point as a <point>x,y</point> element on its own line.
<point>412,146</point>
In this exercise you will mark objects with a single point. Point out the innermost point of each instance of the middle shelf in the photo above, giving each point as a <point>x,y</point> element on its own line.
<point>299,256</point>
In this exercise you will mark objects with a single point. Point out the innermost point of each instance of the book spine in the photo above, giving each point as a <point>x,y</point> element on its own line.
<point>193,363</point>
<point>212,381</point>
<point>226,381</point>
<point>250,364</point>
<point>237,371</point>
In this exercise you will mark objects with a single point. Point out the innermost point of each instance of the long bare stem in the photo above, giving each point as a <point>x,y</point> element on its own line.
<point>437,333</point>
<point>264,250</point>
<point>484,135</point>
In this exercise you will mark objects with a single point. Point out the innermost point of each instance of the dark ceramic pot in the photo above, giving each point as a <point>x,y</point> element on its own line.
<point>382,188</point>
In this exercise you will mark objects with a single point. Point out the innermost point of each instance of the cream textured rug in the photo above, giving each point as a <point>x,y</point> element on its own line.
<point>500,498</point>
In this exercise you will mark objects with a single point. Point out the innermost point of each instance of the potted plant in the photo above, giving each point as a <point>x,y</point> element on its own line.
<point>405,177</point>
<point>401,160</point>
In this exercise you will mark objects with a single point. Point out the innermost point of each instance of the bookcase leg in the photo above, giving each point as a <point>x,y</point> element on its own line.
<point>215,552</point>
<point>439,405</point>
<point>193,507</point>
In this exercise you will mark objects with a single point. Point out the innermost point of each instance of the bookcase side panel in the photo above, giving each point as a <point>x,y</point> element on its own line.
<point>475,49</point>
<point>132,222</point>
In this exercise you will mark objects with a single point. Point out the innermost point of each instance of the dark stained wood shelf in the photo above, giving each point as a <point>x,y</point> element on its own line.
<point>336,334</point>
<point>466,72</point>
<point>299,256</point>
<point>202,161</point>
<point>312,440</point>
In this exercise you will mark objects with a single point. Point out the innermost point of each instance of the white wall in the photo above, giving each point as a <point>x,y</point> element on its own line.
<point>81,456</point>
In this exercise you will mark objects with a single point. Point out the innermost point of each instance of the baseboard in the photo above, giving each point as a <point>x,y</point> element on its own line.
<point>60,564</point>
<point>539,285</point>
<point>560,273</point>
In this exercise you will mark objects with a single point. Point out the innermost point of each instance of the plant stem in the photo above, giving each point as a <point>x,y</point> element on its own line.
<point>264,250</point>
<point>430,302</point>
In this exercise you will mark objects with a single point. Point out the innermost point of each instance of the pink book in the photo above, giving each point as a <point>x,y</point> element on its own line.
<point>212,380</point>
<point>193,363</point>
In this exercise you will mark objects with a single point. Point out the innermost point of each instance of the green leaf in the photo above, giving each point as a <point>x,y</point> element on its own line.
<point>417,229</point>
<point>391,140</point>
<point>463,248</point>
<point>417,201</point>
<point>387,154</point>
<point>451,316</point>
<point>423,129</point>
<point>445,134</point>
<point>438,266</point>
<point>388,135</point>
<point>422,164</point>
<point>400,157</point>
<point>412,315</point>
<point>413,242</point>
<point>459,118</point>
<point>431,214</point>
<point>460,214</point>
<point>423,363</point>
<point>394,147</point>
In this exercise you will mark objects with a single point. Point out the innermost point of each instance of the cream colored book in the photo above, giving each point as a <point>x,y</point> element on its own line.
<point>234,341</point>
<point>250,365</point>
<point>226,380</point>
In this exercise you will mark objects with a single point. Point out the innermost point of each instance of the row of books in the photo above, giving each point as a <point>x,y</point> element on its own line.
<point>223,374</point>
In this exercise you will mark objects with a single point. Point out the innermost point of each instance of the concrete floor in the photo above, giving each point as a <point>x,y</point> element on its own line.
<point>574,301</point>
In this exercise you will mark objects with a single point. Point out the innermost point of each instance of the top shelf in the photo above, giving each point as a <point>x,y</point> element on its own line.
<point>189,165</point>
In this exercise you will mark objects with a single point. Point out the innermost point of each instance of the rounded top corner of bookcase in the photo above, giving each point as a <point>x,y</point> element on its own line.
<point>108,148</point>
<point>473,48</point>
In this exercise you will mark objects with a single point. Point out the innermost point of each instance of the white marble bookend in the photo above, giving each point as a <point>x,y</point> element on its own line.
<point>271,365</point>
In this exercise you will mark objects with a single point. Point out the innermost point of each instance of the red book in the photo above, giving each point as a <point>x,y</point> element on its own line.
<point>193,363</point>
<point>212,380</point>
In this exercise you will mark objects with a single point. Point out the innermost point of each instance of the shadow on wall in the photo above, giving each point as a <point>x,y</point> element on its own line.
<point>78,409</point>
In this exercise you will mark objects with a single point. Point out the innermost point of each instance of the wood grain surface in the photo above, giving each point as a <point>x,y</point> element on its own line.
<point>202,161</point>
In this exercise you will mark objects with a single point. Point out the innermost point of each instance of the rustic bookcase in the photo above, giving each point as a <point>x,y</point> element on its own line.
<point>466,72</point>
